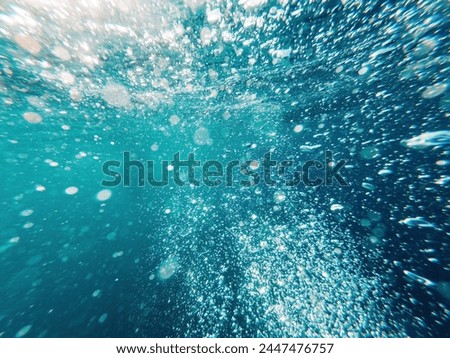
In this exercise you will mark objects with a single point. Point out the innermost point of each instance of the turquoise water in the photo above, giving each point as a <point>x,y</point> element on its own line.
<point>83,82</point>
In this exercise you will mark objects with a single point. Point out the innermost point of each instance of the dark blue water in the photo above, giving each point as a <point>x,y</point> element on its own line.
<point>80,84</point>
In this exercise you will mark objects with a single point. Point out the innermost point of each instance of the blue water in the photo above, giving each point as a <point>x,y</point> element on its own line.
<point>83,82</point>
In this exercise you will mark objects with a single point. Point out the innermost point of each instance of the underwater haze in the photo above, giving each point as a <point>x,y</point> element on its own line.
<point>83,82</point>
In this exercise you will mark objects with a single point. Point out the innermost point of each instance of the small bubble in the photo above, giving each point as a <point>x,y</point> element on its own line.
<point>75,95</point>
<point>28,225</point>
<point>174,120</point>
<point>27,212</point>
<point>363,70</point>
<point>298,128</point>
<point>116,95</point>
<point>23,331</point>
<point>67,78</point>
<point>28,43</point>
<point>279,197</point>
<point>254,164</point>
<point>103,318</point>
<point>104,195</point>
<point>32,117</point>
<point>61,53</point>
<point>336,207</point>
<point>71,190</point>
<point>434,91</point>
<point>154,147</point>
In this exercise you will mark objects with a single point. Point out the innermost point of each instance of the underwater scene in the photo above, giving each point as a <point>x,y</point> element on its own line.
<point>225,168</point>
